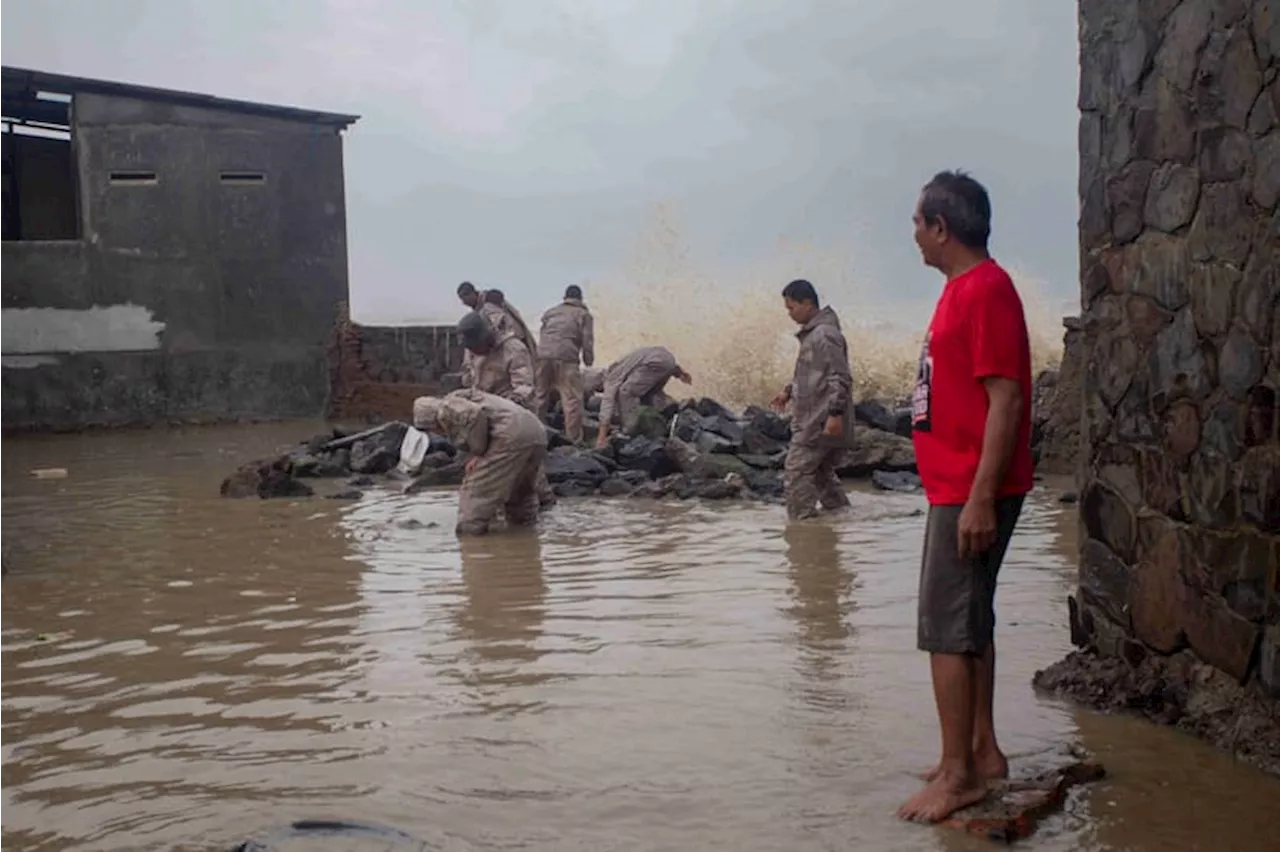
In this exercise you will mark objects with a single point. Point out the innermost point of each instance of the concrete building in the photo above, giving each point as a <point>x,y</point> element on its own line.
<point>167,256</point>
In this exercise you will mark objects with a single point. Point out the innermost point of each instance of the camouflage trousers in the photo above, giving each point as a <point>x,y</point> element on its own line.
<point>809,478</point>
<point>503,480</point>
<point>566,379</point>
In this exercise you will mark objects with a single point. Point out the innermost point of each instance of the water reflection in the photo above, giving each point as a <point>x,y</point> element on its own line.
<point>181,670</point>
<point>502,613</point>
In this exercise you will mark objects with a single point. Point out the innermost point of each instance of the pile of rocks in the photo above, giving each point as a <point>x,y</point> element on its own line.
<point>698,448</point>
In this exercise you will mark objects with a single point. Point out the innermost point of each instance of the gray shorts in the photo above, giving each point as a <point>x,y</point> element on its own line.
<point>957,596</point>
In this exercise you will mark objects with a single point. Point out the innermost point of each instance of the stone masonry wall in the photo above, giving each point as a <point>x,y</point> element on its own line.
<point>376,372</point>
<point>1180,251</point>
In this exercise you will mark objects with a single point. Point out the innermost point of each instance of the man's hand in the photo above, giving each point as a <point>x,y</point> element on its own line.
<point>684,376</point>
<point>977,526</point>
<point>471,465</point>
<point>779,402</point>
<point>834,427</point>
<point>602,440</point>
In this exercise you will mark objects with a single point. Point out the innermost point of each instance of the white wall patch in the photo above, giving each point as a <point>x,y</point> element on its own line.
<point>114,328</point>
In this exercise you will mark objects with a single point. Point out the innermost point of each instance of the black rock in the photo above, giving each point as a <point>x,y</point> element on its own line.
<point>769,424</point>
<point>450,474</point>
<point>310,464</point>
<point>757,461</point>
<point>437,459</point>
<point>266,479</point>
<point>592,404</point>
<point>645,454</point>
<point>708,407</point>
<point>379,451</point>
<point>663,487</point>
<point>632,477</point>
<point>616,486</point>
<point>441,444</point>
<point>572,489</point>
<point>556,438</point>
<point>764,482</point>
<point>566,465</point>
<point>902,480</point>
<point>710,442</point>
<point>757,443</point>
<point>719,489</point>
<point>687,425</point>
<point>875,415</point>
<point>902,422</point>
<point>278,483</point>
<point>1068,497</point>
<point>362,481</point>
<point>726,427</point>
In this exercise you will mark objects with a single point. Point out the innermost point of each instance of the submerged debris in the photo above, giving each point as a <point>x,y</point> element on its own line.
<point>1013,810</point>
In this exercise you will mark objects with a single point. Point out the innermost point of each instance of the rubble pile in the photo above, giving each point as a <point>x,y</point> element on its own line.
<point>698,448</point>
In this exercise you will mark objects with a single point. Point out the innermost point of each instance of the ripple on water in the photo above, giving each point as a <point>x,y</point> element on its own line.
<point>635,675</point>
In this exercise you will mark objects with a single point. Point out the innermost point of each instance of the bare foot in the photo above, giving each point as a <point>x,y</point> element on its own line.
<point>941,797</point>
<point>989,766</point>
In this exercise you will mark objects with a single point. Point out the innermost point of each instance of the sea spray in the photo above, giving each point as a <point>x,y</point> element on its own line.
<point>730,331</point>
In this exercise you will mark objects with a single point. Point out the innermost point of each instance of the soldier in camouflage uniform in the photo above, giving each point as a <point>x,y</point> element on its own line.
<point>499,364</point>
<point>568,336</point>
<point>507,444</point>
<point>821,408</point>
<point>636,379</point>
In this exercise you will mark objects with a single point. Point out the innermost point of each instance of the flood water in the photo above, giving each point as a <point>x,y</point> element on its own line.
<point>182,671</point>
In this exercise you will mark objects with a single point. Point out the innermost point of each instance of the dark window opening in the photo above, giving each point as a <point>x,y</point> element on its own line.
<point>242,178</point>
<point>132,177</point>
<point>41,200</point>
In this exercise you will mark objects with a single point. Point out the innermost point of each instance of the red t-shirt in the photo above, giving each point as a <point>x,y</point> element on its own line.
<point>978,330</point>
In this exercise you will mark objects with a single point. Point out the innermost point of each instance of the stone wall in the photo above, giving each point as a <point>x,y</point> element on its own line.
<point>1056,407</point>
<point>1180,251</point>
<point>375,372</point>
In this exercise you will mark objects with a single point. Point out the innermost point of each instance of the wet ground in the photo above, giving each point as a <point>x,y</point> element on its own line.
<point>181,671</point>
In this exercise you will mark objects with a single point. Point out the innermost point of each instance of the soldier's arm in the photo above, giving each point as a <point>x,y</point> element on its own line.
<point>838,377</point>
<point>588,340</point>
<point>608,402</point>
<point>521,372</point>
<point>469,424</point>
<point>467,376</point>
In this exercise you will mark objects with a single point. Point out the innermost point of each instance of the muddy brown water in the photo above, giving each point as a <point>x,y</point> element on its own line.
<point>182,671</point>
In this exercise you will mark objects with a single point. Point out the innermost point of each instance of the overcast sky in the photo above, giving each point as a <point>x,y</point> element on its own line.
<point>525,143</point>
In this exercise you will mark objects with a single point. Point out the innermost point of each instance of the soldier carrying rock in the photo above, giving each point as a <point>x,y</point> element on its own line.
<point>636,379</point>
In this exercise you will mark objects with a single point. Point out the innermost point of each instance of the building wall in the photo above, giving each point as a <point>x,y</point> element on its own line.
<point>377,371</point>
<point>187,298</point>
<point>1180,253</point>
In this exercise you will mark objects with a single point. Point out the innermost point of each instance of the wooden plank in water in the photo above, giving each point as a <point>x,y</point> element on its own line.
<point>1013,810</point>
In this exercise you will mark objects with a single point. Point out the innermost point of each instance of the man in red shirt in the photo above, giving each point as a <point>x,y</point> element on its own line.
<point>971,417</point>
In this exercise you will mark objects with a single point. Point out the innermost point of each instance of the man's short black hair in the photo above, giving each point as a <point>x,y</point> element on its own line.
<point>573,291</point>
<point>801,291</point>
<point>466,288</point>
<point>962,203</point>
<point>493,297</point>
